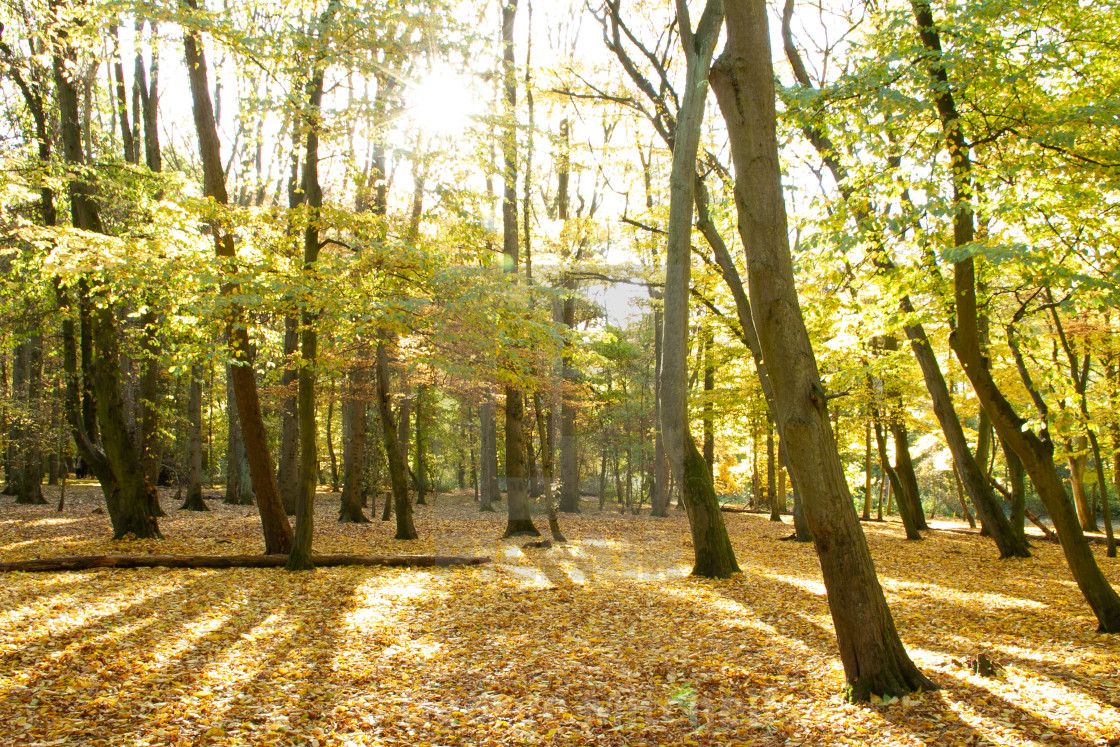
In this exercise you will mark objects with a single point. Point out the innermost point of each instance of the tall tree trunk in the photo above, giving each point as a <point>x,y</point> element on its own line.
<point>331,455</point>
<point>299,559</point>
<point>1036,453</point>
<point>711,544</point>
<point>743,79</point>
<point>867,471</point>
<point>771,475</point>
<point>545,432</point>
<point>569,445</point>
<point>277,531</point>
<point>235,449</point>
<point>519,521</point>
<point>708,408</point>
<point>660,459</point>
<point>972,473</point>
<point>129,500</point>
<point>146,84</point>
<point>404,425</point>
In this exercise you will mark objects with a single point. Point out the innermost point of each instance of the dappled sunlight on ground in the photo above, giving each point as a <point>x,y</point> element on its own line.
<point>603,640</point>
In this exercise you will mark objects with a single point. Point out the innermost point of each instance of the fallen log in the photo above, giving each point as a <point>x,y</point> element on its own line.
<point>84,562</point>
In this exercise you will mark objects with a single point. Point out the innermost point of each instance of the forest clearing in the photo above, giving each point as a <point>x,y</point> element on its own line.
<point>602,640</point>
<point>649,349</point>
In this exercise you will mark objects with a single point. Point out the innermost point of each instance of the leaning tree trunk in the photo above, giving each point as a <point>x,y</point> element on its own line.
<point>870,648</point>
<point>904,509</point>
<point>974,480</point>
<point>904,468</point>
<point>971,471</point>
<point>277,531</point>
<point>698,47</point>
<point>1036,453</point>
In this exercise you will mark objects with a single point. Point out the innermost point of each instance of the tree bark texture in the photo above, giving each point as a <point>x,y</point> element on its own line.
<point>703,513</point>
<point>519,521</point>
<point>277,531</point>
<point>871,651</point>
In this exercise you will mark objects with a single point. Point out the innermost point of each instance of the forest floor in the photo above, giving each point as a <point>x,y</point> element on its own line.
<point>604,640</point>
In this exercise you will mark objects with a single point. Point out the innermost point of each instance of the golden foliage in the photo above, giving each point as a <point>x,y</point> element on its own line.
<point>604,640</point>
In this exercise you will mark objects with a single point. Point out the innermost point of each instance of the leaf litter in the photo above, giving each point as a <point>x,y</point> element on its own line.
<point>603,640</point>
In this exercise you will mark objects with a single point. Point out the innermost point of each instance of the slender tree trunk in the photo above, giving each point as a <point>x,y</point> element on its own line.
<point>771,474</point>
<point>544,431</point>
<point>867,470</point>
<point>870,649</point>
<point>964,503</point>
<point>519,521</point>
<point>711,545</point>
<point>404,426</point>
<point>299,559</point>
<point>235,448</point>
<point>277,531</point>
<point>708,409</point>
<point>25,470</point>
<point>421,481</point>
<point>1106,509</point>
<point>660,459</point>
<point>486,448</point>
<point>331,456</point>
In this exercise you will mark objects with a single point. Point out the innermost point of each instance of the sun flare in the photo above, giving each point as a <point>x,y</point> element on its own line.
<point>443,103</point>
